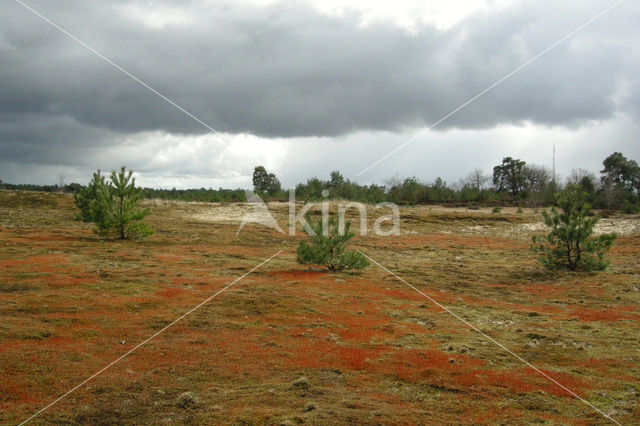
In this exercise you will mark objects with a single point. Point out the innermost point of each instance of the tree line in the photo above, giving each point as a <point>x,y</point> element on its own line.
<point>513,182</point>
<point>208,195</point>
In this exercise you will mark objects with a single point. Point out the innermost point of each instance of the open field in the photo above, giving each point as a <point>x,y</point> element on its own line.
<point>290,344</point>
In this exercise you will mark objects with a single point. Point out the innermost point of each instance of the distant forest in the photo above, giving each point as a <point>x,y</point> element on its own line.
<point>513,182</point>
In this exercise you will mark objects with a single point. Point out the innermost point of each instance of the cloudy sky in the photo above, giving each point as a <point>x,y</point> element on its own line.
<point>306,87</point>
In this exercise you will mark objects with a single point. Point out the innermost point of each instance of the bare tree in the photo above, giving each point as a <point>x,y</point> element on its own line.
<point>60,184</point>
<point>539,184</point>
<point>477,179</point>
<point>536,177</point>
<point>584,178</point>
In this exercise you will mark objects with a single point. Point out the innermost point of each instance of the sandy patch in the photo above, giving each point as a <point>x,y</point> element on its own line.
<point>234,213</point>
<point>619,226</point>
<point>224,214</point>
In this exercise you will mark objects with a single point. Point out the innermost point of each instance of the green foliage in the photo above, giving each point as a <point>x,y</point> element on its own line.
<point>496,210</point>
<point>86,197</point>
<point>342,188</point>
<point>118,204</point>
<point>571,244</point>
<point>514,181</point>
<point>412,191</point>
<point>265,183</point>
<point>621,172</point>
<point>406,192</point>
<point>630,208</point>
<point>620,182</point>
<point>510,176</point>
<point>588,185</point>
<point>205,195</point>
<point>329,249</point>
<point>336,180</point>
<point>113,206</point>
<point>520,211</point>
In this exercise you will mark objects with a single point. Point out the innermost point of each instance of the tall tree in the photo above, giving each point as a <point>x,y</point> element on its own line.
<point>621,172</point>
<point>509,176</point>
<point>336,180</point>
<point>265,182</point>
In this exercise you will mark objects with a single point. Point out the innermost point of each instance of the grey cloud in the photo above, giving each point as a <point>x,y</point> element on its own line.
<point>285,70</point>
<point>53,139</point>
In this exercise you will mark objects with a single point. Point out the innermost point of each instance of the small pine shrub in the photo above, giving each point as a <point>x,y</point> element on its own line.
<point>85,199</point>
<point>520,210</point>
<point>496,210</point>
<point>330,250</point>
<point>571,244</point>
<point>113,206</point>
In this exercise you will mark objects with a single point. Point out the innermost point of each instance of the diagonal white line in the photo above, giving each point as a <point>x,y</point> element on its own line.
<point>543,52</point>
<point>151,337</point>
<point>118,67</point>
<point>492,340</point>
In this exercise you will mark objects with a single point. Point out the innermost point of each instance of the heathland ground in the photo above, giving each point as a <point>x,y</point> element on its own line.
<point>291,344</point>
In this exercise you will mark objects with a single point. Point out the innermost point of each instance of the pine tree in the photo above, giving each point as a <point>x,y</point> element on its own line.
<point>117,209</point>
<point>330,250</point>
<point>85,199</point>
<point>570,244</point>
<point>510,176</point>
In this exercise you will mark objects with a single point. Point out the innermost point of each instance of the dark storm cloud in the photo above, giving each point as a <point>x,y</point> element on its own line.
<point>285,70</point>
<point>53,139</point>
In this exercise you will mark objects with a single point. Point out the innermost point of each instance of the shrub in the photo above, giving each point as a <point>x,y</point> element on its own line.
<point>329,250</point>
<point>496,210</point>
<point>85,199</point>
<point>630,208</point>
<point>570,244</point>
<point>520,210</point>
<point>186,399</point>
<point>301,383</point>
<point>113,206</point>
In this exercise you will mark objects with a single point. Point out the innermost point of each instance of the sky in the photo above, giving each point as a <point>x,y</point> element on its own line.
<point>307,87</point>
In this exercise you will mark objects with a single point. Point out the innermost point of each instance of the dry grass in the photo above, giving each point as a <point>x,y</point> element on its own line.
<point>291,345</point>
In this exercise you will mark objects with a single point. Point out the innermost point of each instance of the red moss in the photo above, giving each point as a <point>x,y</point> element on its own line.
<point>449,241</point>
<point>171,292</point>
<point>611,314</point>
<point>297,275</point>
